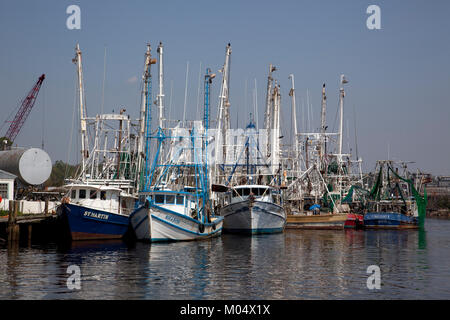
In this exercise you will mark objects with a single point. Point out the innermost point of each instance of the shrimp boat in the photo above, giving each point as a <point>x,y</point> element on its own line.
<point>250,208</point>
<point>254,209</point>
<point>100,199</point>
<point>320,177</point>
<point>174,202</point>
<point>170,209</point>
<point>394,201</point>
<point>96,211</point>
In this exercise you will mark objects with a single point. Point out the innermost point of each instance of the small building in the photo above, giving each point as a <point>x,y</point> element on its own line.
<point>6,189</point>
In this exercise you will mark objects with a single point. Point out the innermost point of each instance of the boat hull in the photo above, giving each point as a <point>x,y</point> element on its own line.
<point>389,220</point>
<point>156,224</point>
<point>87,224</point>
<point>253,217</point>
<point>354,221</point>
<point>322,221</point>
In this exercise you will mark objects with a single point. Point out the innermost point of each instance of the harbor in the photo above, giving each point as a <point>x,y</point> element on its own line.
<point>189,181</point>
<point>294,265</point>
<point>284,178</point>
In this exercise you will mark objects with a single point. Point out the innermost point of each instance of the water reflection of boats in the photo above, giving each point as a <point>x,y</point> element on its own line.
<point>95,245</point>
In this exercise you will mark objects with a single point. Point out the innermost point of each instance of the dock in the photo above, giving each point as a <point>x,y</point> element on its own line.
<point>16,227</point>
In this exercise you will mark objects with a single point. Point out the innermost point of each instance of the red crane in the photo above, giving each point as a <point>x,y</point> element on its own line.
<point>24,111</point>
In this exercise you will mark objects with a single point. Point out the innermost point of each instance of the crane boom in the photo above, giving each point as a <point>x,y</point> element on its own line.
<point>24,111</point>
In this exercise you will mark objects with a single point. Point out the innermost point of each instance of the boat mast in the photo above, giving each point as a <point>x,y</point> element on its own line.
<point>341,111</point>
<point>161,85</point>
<point>323,127</point>
<point>143,114</point>
<point>275,154</point>
<point>83,124</point>
<point>294,116</point>
<point>208,81</point>
<point>268,115</point>
<point>341,126</point>
<point>223,122</point>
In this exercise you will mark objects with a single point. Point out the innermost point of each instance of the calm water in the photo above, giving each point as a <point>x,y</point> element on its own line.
<point>298,264</point>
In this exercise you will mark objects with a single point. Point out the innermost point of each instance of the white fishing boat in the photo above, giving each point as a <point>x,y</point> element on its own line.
<point>173,216</point>
<point>101,197</point>
<point>174,202</point>
<point>254,209</point>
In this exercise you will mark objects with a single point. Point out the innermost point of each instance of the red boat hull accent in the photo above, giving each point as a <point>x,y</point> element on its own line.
<point>354,221</point>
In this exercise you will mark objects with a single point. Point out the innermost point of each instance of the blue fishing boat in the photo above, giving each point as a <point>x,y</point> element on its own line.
<point>95,212</point>
<point>390,220</point>
<point>394,202</point>
<point>100,198</point>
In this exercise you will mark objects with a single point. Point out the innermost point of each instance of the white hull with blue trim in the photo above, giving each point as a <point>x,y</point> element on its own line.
<point>253,211</point>
<point>169,222</point>
<point>253,217</point>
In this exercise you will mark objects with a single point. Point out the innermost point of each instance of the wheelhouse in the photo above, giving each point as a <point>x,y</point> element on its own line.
<point>259,192</point>
<point>101,198</point>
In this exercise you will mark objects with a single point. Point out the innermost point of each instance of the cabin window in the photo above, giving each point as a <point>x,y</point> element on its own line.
<point>246,191</point>
<point>82,194</point>
<point>159,198</point>
<point>235,194</point>
<point>74,194</point>
<point>102,195</point>
<point>170,199</point>
<point>239,192</point>
<point>180,200</point>
<point>93,194</point>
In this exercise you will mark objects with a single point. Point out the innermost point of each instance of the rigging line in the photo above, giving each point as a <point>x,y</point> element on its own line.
<point>103,84</point>
<point>245,96</point>
<point>185,94</point>
<point>256,104</point>
<point>307,106</point>
<point>335,118</point>
<point>198,90</point>
<point>10,115</point>
<point>43,116</point>
<point>170,102</point>
<point>356,137</point>
<point>71,131</point>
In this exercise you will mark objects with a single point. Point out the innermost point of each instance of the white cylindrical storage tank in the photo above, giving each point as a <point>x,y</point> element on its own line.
<point>33,166</point>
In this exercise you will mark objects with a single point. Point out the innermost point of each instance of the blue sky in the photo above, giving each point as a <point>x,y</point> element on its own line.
<point>399,76</point>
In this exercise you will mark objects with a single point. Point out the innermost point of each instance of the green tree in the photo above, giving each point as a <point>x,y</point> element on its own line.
<point>61,171</point>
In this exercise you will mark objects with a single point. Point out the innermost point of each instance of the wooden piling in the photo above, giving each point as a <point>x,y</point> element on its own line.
<point>30,231</point>
<point>13,228</point>
<point>46,206</point>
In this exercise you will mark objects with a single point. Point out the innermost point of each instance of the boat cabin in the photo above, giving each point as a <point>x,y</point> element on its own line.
<point>102,197</point>
<point>259,192</point>
<point>182,202</point>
